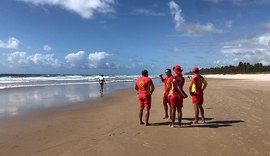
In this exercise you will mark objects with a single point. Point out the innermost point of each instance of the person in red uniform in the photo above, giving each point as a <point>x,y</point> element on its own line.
<point>145,87</point>
<point>176,95</point>
<point>196,87</point>
<point>165,101</point>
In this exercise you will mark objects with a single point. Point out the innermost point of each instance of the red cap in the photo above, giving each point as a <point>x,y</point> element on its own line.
<point>177,69</point>
<point>195,69</point>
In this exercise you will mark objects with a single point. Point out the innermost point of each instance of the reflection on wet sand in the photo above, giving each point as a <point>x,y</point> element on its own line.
<point>101,94</point>
<point>17,101</point>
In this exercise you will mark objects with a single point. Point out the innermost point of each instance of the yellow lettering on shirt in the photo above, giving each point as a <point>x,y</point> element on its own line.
<point>141,84</point>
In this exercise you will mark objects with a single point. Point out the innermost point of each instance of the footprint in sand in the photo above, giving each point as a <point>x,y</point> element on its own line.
<point>145,144</point>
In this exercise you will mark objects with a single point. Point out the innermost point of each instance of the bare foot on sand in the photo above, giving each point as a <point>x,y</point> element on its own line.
<point>141,123</point>
<point>195,122</point>
<point>147,124</point>
<point>165,117</point>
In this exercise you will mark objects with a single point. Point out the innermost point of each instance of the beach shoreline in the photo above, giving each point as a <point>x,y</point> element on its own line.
<point>19,101</point>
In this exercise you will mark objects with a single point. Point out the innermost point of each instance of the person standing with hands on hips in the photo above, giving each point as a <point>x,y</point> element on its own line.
<point>196,87</point>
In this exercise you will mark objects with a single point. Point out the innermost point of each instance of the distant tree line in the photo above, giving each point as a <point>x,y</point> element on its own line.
<point>242,68</point>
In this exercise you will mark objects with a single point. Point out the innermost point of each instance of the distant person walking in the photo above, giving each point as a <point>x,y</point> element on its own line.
<point>196,87</point>
<point>176,95</point>
<point>166,81</point>
<point>145,87</point>
<point>101,81</point>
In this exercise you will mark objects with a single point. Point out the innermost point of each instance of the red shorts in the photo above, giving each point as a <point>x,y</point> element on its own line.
<point>197,98</point>
<point>144,101</point>
<point>176,101</point>
<point>165,98</point>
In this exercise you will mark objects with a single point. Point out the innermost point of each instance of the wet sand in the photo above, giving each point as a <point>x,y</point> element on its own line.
<point>237,114</point>
<point>33,99</point>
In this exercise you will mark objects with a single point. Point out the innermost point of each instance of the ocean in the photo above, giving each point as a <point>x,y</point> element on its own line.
<point>24,93</point>
<point>39,80</point>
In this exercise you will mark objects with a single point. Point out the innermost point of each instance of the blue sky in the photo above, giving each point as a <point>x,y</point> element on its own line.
<point>126,36</point>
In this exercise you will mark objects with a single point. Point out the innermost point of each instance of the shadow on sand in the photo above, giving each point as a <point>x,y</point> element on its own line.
<point>208,124</point>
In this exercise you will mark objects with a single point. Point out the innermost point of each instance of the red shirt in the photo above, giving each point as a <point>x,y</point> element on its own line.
<point>196,83</point>
<point>167,81</point>
<point>143,84</point>
<point>176,81</point>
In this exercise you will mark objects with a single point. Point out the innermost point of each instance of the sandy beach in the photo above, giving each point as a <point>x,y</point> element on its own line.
<point>250,77</point>
<point>237,115</point>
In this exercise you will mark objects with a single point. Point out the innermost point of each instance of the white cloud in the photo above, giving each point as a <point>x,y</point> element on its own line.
<point>225,62</point>
<point>85,8</point>
<point>44,60</point>
<point>21,59</point>
<point>93,60</point>
<point>176,12</point>
<point>18,58</point>
<point>76,59</point>
<point>147,12</point>
<point>11,43</point>
<point>190,29</point>
<point>47,48</point>
<point>99,60</point>
<point>98,56</point>
<point>263,40</point>
<point>253,50</point>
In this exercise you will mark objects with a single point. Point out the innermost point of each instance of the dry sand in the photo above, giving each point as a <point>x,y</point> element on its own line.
<point>237,114</point>
<point>252,77</point>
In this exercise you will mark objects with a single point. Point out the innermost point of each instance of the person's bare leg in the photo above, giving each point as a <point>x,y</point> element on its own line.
<point>179,110</point>
<point>173,117</point>
<point>101,87</point>
<point>202,112</point>
<point>165,110</point>
<point>147,117</point>
<point>196,109</point>
<point>170,113</point>
<point>140,116</point>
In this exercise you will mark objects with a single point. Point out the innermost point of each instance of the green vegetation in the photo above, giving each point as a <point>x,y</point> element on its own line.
<point>242,68</point>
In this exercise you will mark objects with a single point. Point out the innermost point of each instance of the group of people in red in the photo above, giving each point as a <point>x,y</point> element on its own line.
<point>173,94</point>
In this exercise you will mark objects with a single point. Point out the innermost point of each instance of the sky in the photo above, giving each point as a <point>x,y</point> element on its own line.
<point>117,37</point>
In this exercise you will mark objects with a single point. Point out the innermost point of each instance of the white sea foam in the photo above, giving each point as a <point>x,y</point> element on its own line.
<point>18,81</point>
